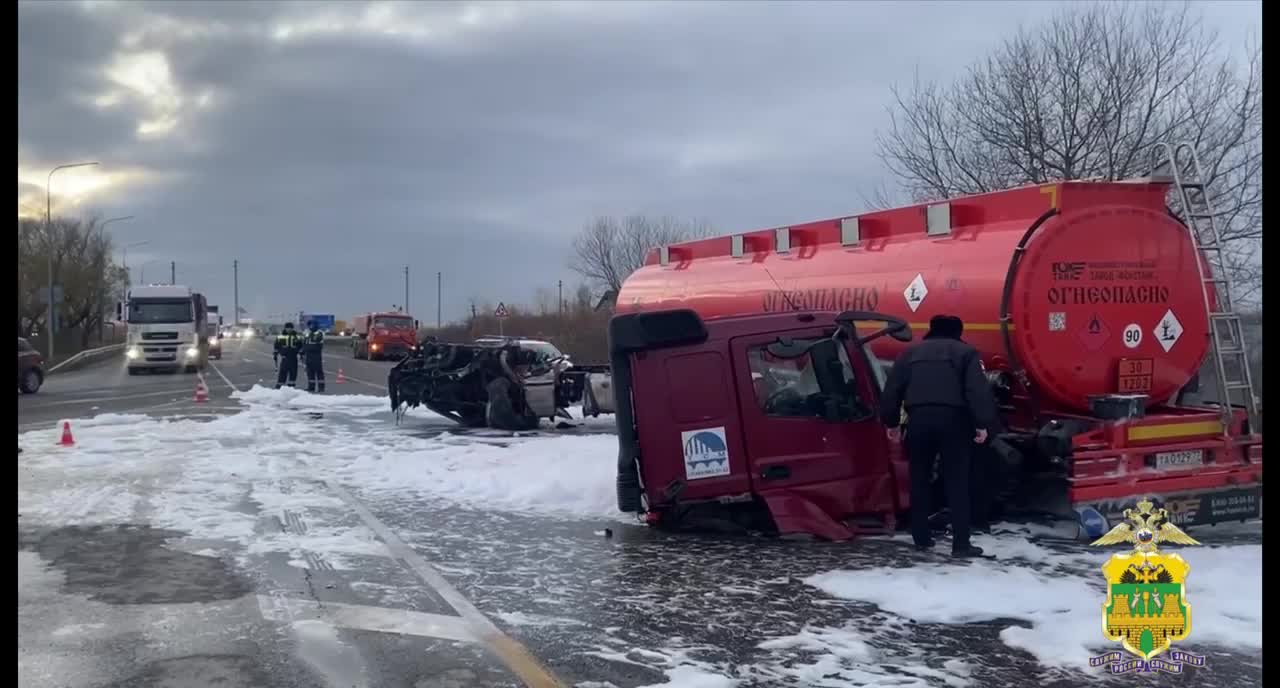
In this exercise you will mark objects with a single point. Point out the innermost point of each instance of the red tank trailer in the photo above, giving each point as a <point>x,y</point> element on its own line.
<point>1081,296</point>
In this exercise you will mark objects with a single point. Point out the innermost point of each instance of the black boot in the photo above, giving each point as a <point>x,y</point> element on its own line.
<point>322,387</point>
<point>967,551</point>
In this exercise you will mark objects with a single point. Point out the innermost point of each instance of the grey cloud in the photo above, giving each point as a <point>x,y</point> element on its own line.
<point>327,161</point>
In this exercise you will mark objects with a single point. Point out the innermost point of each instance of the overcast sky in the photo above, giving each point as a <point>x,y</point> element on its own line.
<point>326,145</point>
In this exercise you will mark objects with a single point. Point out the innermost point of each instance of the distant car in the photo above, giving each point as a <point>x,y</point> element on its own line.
<point>215,344</point>
<point>30,368</point>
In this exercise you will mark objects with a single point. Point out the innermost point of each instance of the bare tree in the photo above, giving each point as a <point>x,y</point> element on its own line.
<point>1086,95</point>
<point>607,250</point>
<point>83,268</point>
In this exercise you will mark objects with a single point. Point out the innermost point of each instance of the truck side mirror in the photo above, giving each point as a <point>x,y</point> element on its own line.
<point>119,310</point>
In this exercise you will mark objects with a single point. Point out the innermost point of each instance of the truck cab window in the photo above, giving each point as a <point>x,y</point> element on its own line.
<point>802,387</point>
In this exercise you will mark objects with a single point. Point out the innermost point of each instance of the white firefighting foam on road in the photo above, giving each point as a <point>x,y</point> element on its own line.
<point>198,475</point>
<point>1063,610</point>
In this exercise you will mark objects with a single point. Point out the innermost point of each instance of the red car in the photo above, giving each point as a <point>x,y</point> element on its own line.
<point>30,367</point>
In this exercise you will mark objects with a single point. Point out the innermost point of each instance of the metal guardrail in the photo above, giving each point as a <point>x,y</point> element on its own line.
<point>85,357</point>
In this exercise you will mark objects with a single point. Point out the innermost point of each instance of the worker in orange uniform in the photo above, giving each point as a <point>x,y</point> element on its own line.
<point>950,406</point>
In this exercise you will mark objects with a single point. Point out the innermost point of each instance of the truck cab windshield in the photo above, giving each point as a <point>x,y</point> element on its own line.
<point>160,311</point>
<point>393,323</point>
<point>802,386</point>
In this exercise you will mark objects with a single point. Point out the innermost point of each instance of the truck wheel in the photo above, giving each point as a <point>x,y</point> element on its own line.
<point>31,381</point>
<point>500,413</point>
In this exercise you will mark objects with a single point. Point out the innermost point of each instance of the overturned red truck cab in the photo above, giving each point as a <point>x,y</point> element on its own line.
<point>1094,308</point>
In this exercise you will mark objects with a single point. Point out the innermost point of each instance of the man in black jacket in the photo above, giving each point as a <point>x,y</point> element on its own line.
<point>285,354</point>
<point>950,408</point>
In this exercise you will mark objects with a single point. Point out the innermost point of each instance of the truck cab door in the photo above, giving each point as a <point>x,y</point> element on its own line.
<point>813,442</point>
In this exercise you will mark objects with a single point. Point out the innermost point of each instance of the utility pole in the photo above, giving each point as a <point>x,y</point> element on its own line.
<point>235,279</point>
<point>48,229</point>
<point>439,279</point>
<point>560,296</point>
<point>173,272</point>
<point>406,289</point>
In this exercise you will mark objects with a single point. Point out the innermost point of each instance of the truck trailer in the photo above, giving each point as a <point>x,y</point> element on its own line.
<point>1093,305</point>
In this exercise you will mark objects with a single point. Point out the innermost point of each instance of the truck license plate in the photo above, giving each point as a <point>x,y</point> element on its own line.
<point>1176,459</point>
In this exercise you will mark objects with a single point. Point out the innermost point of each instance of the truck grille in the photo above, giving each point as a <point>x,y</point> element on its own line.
<point>152,336</point>
<point>160,354</point>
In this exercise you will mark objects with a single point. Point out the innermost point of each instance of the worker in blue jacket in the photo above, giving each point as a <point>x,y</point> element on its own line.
<point>313,356</point>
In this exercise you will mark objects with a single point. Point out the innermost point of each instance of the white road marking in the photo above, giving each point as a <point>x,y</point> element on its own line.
<point>348,378</point>
<point>513,654</point>
<point>365,618</point>
<point>218,370</point>
<point>93,400</point>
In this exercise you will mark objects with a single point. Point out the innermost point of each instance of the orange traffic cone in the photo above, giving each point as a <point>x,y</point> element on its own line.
<point>202,392</point>
<point>341,378</point>
<point>67,440</point>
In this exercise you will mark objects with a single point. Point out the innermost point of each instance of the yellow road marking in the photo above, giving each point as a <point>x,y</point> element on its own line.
<point>518,659</point>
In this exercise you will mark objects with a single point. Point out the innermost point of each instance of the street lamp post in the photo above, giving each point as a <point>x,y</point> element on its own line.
<point>102,232</point>
<point>125,261</point>
<point>102,228</point>
<point>48,228</point>
<point>142,269</point>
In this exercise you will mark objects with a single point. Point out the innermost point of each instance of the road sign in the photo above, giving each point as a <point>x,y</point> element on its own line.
<point>501,311</point>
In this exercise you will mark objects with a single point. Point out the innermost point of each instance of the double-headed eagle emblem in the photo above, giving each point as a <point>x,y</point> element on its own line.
<point>1150,527</point>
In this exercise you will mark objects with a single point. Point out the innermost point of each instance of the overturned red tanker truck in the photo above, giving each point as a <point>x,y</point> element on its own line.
<point>1092,304</point>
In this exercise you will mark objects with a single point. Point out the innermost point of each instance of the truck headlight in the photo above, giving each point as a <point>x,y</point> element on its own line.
<point>192,352</point>
<point>213,340</point>
<point>131,353</point>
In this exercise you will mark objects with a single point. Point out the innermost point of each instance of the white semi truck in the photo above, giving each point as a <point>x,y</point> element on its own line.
<point>167,328</point>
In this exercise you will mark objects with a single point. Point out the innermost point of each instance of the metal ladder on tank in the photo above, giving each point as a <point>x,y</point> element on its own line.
<point>1181,163</point>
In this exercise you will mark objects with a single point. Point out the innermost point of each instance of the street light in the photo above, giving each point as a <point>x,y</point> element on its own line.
<point>102,228</point>
<point>48,228</point>
<point>142,269</point>
<point>124,261</point>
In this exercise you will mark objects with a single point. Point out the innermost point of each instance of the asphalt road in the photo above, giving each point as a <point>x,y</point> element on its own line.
<point>106,387</point>
<point>458,598</point>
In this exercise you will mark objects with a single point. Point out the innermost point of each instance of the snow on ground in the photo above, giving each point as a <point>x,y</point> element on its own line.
<point>216,478</point>
<point>1064,611</point>
<point>199,475</point>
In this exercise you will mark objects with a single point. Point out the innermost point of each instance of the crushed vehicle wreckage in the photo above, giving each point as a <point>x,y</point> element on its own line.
<point>504,383</point>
